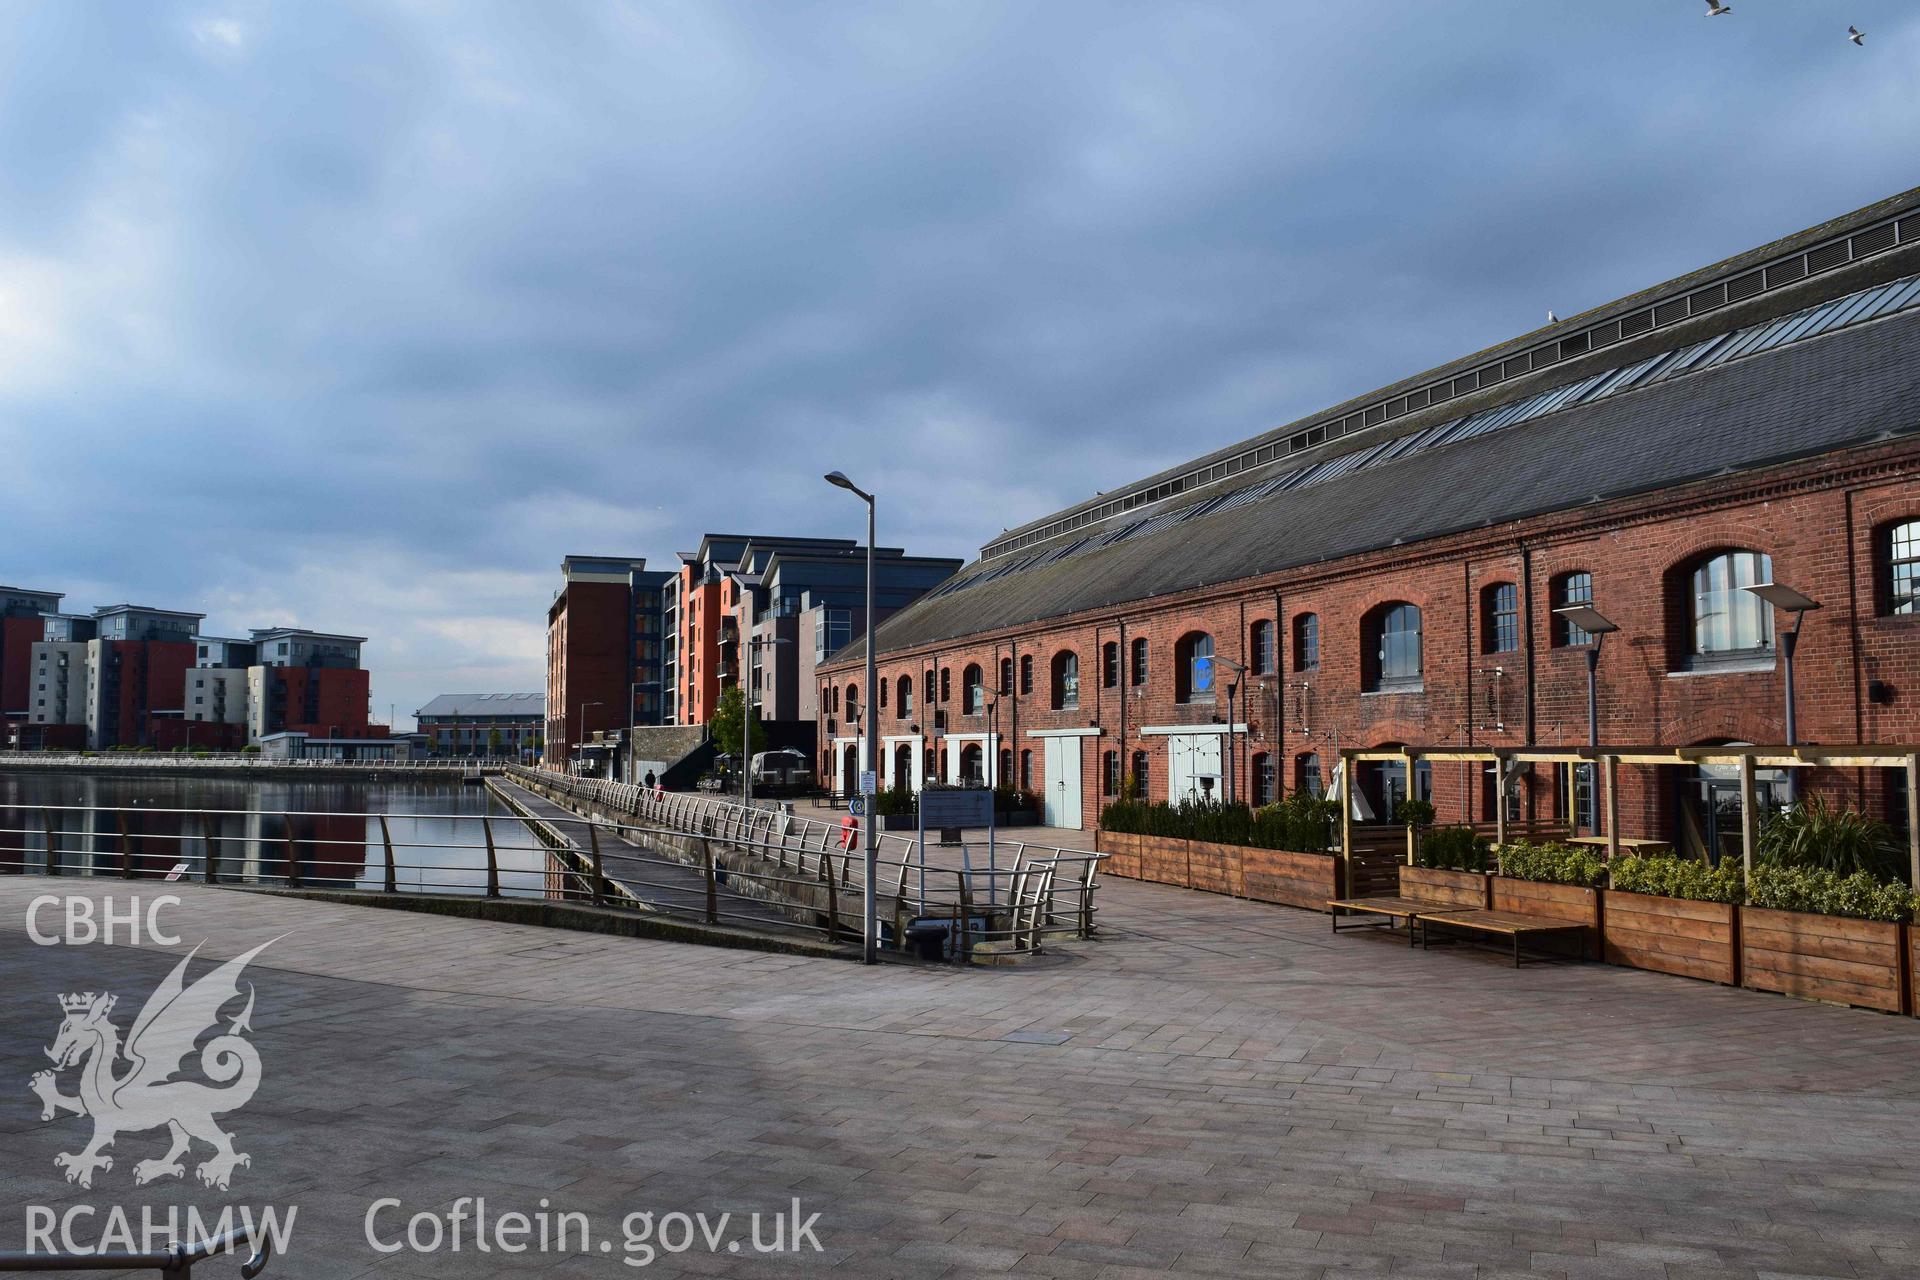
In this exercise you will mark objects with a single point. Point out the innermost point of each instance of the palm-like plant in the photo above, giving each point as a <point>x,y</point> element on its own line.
<point>1815,834</point>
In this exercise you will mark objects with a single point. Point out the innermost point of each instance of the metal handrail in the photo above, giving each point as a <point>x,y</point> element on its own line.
<point>173,1263</point>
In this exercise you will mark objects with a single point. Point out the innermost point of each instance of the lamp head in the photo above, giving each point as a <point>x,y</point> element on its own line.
<point>1783,597</point>
<point>839,480</point>
<point>1587,618</point>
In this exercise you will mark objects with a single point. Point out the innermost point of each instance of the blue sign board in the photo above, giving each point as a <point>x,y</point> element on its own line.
<point>1202,675</point>
<point>857,806</point>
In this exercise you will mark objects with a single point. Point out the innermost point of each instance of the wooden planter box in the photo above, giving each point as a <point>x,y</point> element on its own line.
<point>1567,902</point>
<point>1292,879</point>
<point>1265,875</point>
<point>1672,935</point>
<point>1820,957</point>
<point>1451,888</point>
<point>1913,967</point>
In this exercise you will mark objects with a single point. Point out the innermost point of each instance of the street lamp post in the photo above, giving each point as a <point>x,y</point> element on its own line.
<point>1239,670</point>
<point>1790,601</point>
<point>581,736</point>
<point>746,716</point>
<point>1799,605</point>
<point>870,952</point>
<point>1595,624</point>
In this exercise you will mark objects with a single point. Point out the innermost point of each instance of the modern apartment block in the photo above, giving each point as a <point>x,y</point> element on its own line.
<point>606,653</point>
<point>1385,573</point>
<point>480,724</point>
<point>774,607</point>
<point>21,628</point>
<point>134,676</point>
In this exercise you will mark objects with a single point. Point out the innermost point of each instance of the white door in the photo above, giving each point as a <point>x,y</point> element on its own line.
<point>1062,780</point>
<point>1192,757</point>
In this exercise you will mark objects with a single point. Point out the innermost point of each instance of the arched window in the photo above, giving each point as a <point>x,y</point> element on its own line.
<point>1139,775</point>
<point>1110,773</point>
<point>1575,587</point>
<point>1902,556</point>
<point>905,688</point>
<point>853,702</point>
<point>1260,647</point>
<point>1263,780</point>
<point>1392,648</point>
<point>882,704</point>
<point>1110,665</point>
<point>1006,675</point>
<point>1499,618</point>
<point>973,765</point>
<point>1306,774</point>
<point>1193,668</point>
<point>1066,680</point>
<point>1139,660</point>
<point>973,690</point>
<point>1726,621</point>
<point>1306,642</point>
<point>932,765</point>
<point>1026,770</point>
<point>1026,673</point>
<point>946,684</point>
<point>1005,777</point>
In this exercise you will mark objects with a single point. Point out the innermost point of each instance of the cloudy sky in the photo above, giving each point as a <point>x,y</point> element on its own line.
<point>360,316</point>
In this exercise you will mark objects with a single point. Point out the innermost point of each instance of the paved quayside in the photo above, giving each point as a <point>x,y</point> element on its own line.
<point>1236,1092</point>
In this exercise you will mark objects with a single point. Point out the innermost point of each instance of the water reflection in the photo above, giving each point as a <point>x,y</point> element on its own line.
<point>330,832</point>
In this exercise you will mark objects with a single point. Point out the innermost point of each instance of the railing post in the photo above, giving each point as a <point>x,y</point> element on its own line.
<point>293,856</point>
<point>713,886</point>
<point>833,906</point>
<point>126,845</point>
<point>210,867</point>
<point>386,843</point>
<point>493,859</point>
<point>963,933</point>
<point>53,852</point>
<point>593,837</point>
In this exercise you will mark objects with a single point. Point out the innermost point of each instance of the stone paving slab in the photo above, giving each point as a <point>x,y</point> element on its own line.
<point>1239,1093</point>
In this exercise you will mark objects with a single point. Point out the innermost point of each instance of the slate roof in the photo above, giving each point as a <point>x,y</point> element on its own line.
<point>1846,388</point>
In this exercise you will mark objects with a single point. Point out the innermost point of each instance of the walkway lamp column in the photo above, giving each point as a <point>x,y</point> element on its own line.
<point>1595,624</point>
<point>870,924</point>
<point>754,644</point>
<point>582,735</point>
<point>1785,598</point>
<point>1239,670</point>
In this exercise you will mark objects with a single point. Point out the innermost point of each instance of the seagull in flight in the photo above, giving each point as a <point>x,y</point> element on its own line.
<point>1715,8</point>
<point>1858,36</point>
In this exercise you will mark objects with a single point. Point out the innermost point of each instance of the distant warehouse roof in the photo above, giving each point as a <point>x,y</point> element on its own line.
<point>1842,373</point>
<point>486,704</point>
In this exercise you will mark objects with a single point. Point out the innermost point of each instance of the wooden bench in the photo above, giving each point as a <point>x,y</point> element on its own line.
<point>1410,907</point>
<point>1512,925</point>
<point>1391,911</point>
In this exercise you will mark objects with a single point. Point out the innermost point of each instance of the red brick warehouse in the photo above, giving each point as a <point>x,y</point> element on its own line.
<point>1386,572</point>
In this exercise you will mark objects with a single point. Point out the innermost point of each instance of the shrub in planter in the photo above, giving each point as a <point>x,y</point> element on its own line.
<point>1454,849</point>
<point>1553,864</point>
<point>1816,889</point>
<point>1302,823</point>
<point>1844,841</point>
<point>892,802</point>
<point>1667,876</point>
<point>1413,813</point>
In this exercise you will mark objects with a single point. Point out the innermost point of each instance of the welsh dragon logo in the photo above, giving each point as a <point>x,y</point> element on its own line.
<point>145,1095</point>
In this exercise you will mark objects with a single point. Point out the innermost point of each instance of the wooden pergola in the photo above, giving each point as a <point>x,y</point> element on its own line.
<point>1746,759</point>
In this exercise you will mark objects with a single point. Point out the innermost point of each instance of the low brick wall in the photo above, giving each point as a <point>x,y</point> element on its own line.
<point>1264,875</point>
